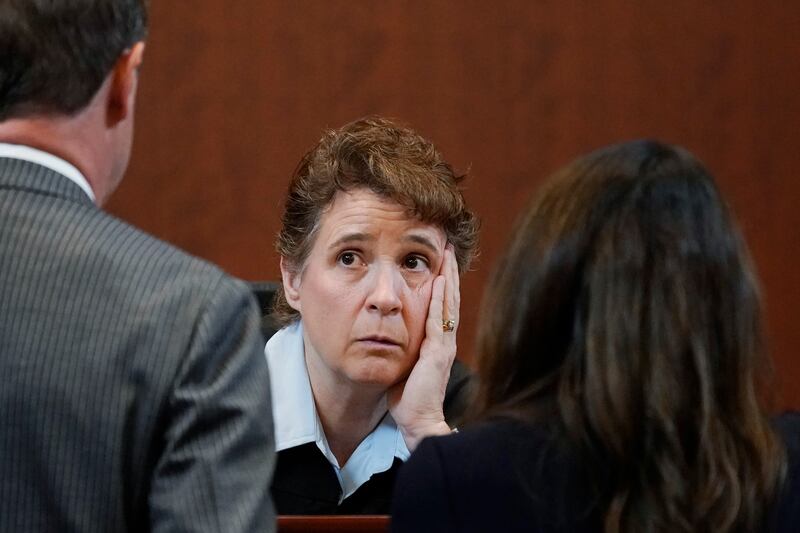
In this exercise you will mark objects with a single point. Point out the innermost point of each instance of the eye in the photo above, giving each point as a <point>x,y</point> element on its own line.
<point>347,258</point>
<point>415,263</point>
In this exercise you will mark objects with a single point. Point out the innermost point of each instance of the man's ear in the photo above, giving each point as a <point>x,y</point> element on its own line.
<point>291,284</point>
<point>124,78</point>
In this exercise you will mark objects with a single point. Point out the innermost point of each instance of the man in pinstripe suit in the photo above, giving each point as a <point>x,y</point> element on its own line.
<point>134,392</point>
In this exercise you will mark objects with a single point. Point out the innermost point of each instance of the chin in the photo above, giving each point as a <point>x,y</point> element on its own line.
<point>379,373</point>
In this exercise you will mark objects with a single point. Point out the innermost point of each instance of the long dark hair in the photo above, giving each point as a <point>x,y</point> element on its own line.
<point>626,312</point>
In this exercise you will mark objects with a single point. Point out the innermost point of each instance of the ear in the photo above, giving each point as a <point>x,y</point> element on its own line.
<point>291,284</point>
<point>124,78</point>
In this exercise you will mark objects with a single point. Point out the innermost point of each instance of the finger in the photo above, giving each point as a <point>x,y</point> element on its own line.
<point>433,326</point>
<point>451,293</point>
<point>456,279</point>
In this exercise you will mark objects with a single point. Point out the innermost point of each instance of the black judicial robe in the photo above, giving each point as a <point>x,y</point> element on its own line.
<point>305,483</point>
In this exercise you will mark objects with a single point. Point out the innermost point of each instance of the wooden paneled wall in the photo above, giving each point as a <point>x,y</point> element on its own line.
<point>232,93</point>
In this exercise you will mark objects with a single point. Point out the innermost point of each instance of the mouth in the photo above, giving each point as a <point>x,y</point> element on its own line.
<point>379,340</point>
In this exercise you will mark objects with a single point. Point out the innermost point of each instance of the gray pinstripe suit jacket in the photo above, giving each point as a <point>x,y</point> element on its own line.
<point>134,393</point>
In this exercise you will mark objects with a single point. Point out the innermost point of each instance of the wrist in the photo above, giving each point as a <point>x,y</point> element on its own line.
<point>413,436</point>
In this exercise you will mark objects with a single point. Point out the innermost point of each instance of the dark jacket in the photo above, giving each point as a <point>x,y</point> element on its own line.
<point>509,476</point>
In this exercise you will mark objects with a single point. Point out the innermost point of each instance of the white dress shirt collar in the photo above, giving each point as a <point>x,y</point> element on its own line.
<point>296,420</point>
<point>45,159</point>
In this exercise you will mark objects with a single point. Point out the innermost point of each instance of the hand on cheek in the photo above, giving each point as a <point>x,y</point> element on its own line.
<point>416,404</point>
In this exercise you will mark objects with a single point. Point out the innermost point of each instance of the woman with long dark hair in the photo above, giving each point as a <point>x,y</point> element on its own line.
<point>622,369</point>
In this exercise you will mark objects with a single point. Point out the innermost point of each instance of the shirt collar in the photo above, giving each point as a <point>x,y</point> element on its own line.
<point>296,421</point>
<point>45,159</point>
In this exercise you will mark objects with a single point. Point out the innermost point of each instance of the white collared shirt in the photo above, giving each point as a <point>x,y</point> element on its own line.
<point>296,420</point>
<point>54,163</point>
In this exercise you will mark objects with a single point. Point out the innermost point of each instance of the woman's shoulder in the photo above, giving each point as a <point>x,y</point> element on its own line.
<point>502,452</point>
<point>493,435</point>
<point>504,475</point>
<point>788,426</point>
<point>786,513</point>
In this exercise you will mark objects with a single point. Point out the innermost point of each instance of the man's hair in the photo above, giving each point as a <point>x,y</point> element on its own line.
<point>390,160</point>
<point>55,54</point>
<point>625,315</point>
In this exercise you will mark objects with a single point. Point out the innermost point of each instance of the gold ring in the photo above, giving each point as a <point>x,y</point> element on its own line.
<point>448,325</point>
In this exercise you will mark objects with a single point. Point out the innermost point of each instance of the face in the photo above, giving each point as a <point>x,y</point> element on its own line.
<point>364,291</point>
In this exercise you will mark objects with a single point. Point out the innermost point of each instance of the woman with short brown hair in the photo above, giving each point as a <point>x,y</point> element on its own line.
<point>375,235</point>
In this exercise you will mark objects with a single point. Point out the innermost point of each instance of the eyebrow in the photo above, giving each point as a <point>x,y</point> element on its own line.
<point>352,237</point>
<point>366,237</point>
<point>423,240</point>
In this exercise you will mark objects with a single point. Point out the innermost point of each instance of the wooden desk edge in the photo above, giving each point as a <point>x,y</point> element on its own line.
<point>333,523</point>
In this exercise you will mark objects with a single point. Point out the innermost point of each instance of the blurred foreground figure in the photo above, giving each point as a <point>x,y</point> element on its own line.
<point>135,393</point>
<point>620,366</point>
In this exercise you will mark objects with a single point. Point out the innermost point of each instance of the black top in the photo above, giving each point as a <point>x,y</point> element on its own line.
<point>305,483</point>
<point>509,476</point>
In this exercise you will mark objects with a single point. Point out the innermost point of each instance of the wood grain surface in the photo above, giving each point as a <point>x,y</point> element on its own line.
<point>233,93</point>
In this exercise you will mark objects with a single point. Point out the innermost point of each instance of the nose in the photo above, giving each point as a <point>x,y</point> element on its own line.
<point>384,295</point>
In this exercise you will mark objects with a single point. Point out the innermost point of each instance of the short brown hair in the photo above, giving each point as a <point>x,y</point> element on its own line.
<point>388,159</point>
<point>54,55</point>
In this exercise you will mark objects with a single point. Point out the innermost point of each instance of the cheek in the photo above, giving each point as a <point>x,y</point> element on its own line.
<point>325,301</point>
<point>320,286</point>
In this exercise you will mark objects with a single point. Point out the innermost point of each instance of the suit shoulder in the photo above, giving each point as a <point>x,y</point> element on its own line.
<point>128,248</point>
<point>142,247</point>
<point>143,270</point>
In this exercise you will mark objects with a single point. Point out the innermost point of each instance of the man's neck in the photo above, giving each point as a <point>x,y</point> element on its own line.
<point>68,138</point>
